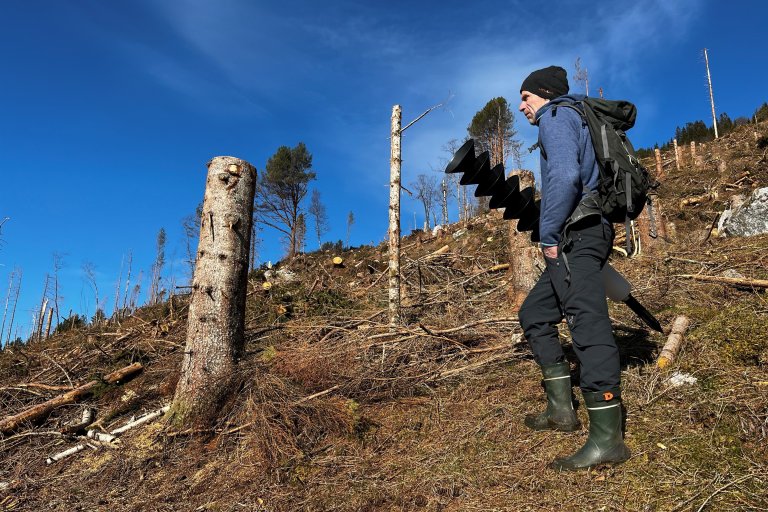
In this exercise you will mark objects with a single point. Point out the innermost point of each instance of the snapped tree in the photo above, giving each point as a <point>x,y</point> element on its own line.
<point>216,318</point>
<point>281,189</point>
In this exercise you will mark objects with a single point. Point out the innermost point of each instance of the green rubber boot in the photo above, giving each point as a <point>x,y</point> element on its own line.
<point>559,414</point>
<point>605,443</point>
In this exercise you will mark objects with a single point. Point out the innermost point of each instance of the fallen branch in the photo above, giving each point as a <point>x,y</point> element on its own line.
<point>47,387</point>
<point>69,451</point>
<point>758,283</point>
<point>40,411</point>
<point>674,342</point>
<point>144,419</point>
<point>473,324</point>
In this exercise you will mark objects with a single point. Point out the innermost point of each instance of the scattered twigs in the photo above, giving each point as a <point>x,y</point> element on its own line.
<point>756,283</point>
<point>674,342</point>
<point>40,411</point>
<point>473,324</point>
<point>721,489</point>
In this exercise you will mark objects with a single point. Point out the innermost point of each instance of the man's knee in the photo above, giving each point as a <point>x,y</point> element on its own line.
<point>526,315</point>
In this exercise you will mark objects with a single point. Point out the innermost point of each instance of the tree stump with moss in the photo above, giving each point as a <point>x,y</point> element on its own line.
<point>216,319</point>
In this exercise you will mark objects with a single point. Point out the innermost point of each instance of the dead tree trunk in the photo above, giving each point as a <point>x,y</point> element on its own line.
<point>522,256</point>
<point>659,167</point>
<point>48,323</point>
<point>677,154</point>
<point>215,332</point>
<point>711,96</point>
<point>394,217</point>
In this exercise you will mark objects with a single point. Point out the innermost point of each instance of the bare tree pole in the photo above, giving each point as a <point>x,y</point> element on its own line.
<point>581,75</point>
<point>89,270</point>
<point>350,221</point>
<point>58,264</point>
<point>711,96</point>
<point>677,154</point>
<point>216,329</point>
<point>7,300</point>
<point>127,282</point>
<point>37,327</point>
<point>48,323</point>
<point>659,167</point>
<point>444,186</point>
<point>13,311</point>
<point>395,163</point>
<point>39,332</point>
<point>117,289</point>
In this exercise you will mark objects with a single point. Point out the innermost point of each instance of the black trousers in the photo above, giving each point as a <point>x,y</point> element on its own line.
<point>572,287</point>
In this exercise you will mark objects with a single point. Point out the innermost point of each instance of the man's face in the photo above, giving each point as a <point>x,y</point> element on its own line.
<point>530,104</point>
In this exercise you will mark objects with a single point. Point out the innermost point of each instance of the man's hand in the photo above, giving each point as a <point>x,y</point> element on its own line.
<point>549,251</point>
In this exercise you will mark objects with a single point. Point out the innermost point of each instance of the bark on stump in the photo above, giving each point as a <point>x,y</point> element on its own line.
<point>659,167</point>
<point>216,319</point>
<point>523,273</point>
<point>652,234</point>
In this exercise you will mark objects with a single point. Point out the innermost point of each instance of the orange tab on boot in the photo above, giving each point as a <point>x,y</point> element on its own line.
<point>608,396</point>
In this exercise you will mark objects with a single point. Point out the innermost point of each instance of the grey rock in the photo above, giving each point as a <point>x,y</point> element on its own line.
<point>751,218</point>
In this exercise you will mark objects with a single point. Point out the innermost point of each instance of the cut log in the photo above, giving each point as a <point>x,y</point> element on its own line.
<point>698,199</point>
<point>41,411</point>
<point>674,341</point>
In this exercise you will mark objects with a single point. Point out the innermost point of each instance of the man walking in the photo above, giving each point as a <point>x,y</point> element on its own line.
<point>576,242</point>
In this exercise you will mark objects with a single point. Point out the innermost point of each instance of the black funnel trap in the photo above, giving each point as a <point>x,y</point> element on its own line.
<point>481,168</point>
<point>499,198</point>
<point>463,160</point>
<point>518,201</point>
<point>491,182</point>
<point>529,216</point>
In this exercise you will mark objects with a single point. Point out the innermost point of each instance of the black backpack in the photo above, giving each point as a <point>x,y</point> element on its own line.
<point>624,183</point>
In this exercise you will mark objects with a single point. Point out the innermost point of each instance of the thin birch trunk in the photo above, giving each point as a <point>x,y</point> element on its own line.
<point>13,311</point>
<point>215,333</point>
<point>48,324</point>
<point>445,202</point>
<point>394,217</point>
<point>711,96</point>
<point>41,320</point>
<point>117,289</point>
<point>5,309</point>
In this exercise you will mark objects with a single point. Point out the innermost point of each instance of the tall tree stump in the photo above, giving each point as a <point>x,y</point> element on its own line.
<point>523,273</point>
<point>216,319</point>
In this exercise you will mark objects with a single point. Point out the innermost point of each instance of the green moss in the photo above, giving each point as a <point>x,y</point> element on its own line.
<point>739,332</point>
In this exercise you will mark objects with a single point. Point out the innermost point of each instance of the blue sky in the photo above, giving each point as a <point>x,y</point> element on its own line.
<point>110,110</point>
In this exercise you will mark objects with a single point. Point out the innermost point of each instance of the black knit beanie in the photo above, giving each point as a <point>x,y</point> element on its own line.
<point>549,83</point>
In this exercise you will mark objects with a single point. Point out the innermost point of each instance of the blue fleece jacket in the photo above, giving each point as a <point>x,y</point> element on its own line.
<point>568,165</point>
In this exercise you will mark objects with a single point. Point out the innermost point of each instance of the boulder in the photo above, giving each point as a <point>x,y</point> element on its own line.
<point>751,218</point>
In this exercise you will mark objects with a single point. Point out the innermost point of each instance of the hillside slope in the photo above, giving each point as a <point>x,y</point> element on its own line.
<point>336,412</point>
